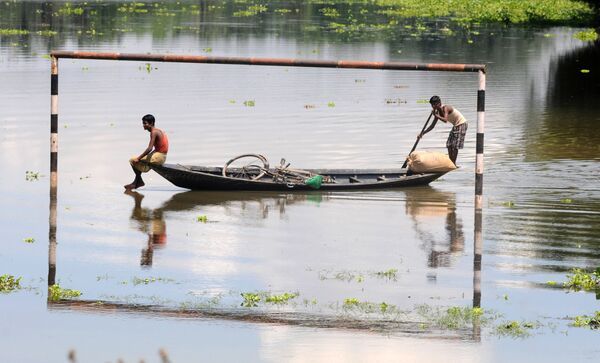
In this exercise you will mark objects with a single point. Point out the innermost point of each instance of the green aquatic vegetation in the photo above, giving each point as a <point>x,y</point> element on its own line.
<point>391,274</point>
<point>249,103</point>
<point>207,50</point>
<point>454,317</point>
<point>202,219</point>
<point>46,33</point>
<point>584,321</point>
<point>516,329</point>
<point>31,175</point>
<point>251,299</point>
<point>68,9</point>
<point>355,305</point>
<point>551,283</point>
<point>347,276</point>
<point>329,12</point>
<point>252,10</point>
<point>148,280</point>
<point>13,32</point>
<point>588,35</point>
<point>566,201</point>
<point>282,11</point>
<point>508,204</point>
<point>8,283</point>
<point>582,280</point>
<point>281,299</point>
<point>330,104</point>
<point>57,293</point>
<point>585,71</point>
<point>29,240</point>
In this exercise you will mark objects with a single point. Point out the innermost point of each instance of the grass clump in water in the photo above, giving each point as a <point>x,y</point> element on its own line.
<point>454,317</point>
<point>202,219</point>
<point>390,274</point>
<point>584,321</point>
<point>281,299</point>
<point>582,280</point>
<point>8,283</point>
<point>57,293</point>
<point>355,305</point>
<point>516,329</point>
<point>252,299</point>
<point>29,240</point>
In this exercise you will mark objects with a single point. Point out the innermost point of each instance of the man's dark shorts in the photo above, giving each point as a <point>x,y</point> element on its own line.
<point>456,139</point>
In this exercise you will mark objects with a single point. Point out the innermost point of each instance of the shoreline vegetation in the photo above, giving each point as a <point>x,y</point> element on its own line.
<point>345,19</point>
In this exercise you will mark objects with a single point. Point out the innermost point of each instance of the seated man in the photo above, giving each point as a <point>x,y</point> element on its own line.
<point>155,153</point>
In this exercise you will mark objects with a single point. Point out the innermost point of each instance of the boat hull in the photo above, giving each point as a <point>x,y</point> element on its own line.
<point>210,178</point>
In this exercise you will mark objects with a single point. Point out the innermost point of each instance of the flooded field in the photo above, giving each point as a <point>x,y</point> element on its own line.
<point>345,276</point>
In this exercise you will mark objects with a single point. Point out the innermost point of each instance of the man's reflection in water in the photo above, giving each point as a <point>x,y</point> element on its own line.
<point>151,222</point>
<point>424,206</point>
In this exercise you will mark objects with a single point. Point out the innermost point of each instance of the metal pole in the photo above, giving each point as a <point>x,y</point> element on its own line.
<point>53,171</point>
<point>287,62</point>
<point>479,143</point>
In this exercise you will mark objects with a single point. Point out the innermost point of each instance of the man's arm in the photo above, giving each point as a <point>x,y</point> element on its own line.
<point>150,145</point>
<point>429,128</point>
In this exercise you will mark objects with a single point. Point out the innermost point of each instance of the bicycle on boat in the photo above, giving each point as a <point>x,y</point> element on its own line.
<point>256,166</point>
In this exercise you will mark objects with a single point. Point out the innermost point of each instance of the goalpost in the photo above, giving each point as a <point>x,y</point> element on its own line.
<point>286,62</point>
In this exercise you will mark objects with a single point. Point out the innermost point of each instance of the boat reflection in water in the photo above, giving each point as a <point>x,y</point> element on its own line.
<point>152,221</point>
<point>424,206</point>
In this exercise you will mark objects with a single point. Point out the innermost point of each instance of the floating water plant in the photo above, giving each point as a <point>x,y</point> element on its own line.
<point>202,219</point>
<point>31,175</point>
<point>453,318</point>
<point>13,32</point>
<point>252,10</point>
<point>585,71</point>
<point>582,280</point>
<point>566,201</point>
<point>8,283</point>
<point>249,103</point>
<point>57,293</point>
<point>584,321</point>
<point>390,274</point>
<point>250,299</point>
<point>330,104</point>
<point>282,298</point>
<point>588,35</point>
<point>148,280</point>
<point>29,240</point>
<point>516,329</point>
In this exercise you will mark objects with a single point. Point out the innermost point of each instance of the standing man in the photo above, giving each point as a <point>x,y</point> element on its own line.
<point>155,153</point>
<point>447,113</point>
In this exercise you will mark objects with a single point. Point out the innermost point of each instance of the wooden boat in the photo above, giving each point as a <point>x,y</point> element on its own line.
<point>211,178</point>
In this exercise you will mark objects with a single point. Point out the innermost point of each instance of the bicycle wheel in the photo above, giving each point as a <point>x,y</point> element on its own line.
<point>246,166</point>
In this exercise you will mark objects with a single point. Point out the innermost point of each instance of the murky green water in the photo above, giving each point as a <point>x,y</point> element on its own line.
<point>372,274</point>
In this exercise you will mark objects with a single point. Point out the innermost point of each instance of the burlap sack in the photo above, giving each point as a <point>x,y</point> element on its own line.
<point>429,162</point>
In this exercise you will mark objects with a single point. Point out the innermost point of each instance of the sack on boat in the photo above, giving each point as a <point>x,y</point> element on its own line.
<point>429,162</point>
<point>314,182</point>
